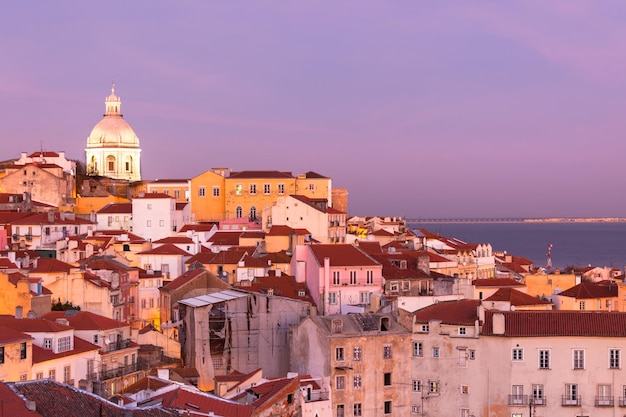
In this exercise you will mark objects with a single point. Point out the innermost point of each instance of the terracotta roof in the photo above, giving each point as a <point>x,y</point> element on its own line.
<point>341,255</point>
<point>496,282</point>
<point>312,174</point>
<point>84,320</point>
<point>548,323</point>
<point>32,325</point>
<point>450,312</point>
<point>228,257</point>
<point>165,249</point>
<point>369,247</point>
<point>252,262</point>
<point>260,174</point>
<point>5,263</point>
<point>146,383</point>
<point>586,290</point>
<point>43,154</point>
<point>434,257</point>
<point>184,279</point>
<point>80,346</point>
<point>281,286</point>
<point>252,234</point>
<point>270,392</point>
<point>152,195</point>
<point>201,257</point>
<point>13,404</point>
<point>54,399</point>
<point>280,230</point>
<point>181,206</point>
<point>201,227</point>
<point>515,297</point>
<point>235,376</point>
<point>125,208</point>
<point>12,216</point>
<point>105,262</point>
<point>175,240</point>
<point>277,257</point>
<point>183,399</point>
<point>174,180</point>
<point>10,335</point>
<point>381,232</point>
<point>42,218</point>
<point>225,238</point>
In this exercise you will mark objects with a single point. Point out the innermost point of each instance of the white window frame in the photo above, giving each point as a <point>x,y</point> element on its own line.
<point>578,359</point>
<point>615,358</point>
<point>418,349</point>
<point>517,354</point>
<point>544,359</point>
<point>417,385</point>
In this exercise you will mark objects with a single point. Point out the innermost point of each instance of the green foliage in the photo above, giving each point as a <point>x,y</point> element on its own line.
<point>58,306</point>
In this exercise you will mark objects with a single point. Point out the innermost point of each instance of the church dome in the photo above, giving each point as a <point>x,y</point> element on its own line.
<point>112,131</point>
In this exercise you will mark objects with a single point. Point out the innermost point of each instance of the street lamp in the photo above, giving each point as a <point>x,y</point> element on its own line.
<point>531,404</point>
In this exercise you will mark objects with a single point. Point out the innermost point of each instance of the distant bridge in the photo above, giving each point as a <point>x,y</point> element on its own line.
<point>467,220</point>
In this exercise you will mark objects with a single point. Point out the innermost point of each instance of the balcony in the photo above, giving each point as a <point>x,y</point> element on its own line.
<point>518,400</point>
<point>112,347</point>
<point>538,401</point>
<point>119,372</point>
<point>29,238</point>
<point>570,401</point>
<point>622,402</point>
<point>604,401</point>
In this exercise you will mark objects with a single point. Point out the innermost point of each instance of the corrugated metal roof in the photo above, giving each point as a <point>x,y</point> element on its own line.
<point>214,298</point>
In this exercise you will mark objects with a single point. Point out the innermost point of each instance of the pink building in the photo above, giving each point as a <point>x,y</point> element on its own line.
<point>341,278</point>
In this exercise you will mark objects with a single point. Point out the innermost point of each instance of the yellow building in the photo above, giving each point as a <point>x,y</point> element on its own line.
<point>179,189</point>
<point>219,194</point>
<point>16,359</point>
<point>544,285</point>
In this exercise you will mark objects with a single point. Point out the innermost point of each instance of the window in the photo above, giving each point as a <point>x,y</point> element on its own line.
<point>571,394</point>
<point>47,343</point>
<point>332,298</point>
<point>337,326</point>
<point>23,350</point>
<point>369,277</point>
<point>353,278</point>
<point>238,189</point>
<point>415,409</point>
<point>393,286</point>
<point>462,330</point>
<point>463,355</point>
<point>581,305</point>
<point>604,395</point>
<point>387,407</point>
<point>267,188</point>
<point>433,387</point>
<point>472,354</point>
<point>52,374</point>
<point>238,212</point>
<point>464,389</point>
<point>339,354</point>
<point>538,394</point>
<point>201,191</point>
<point>544,359</point>
<point>517,394</point>
<point>1,354</point>
<point>253,189</point>
<point>465,412</point>
<point>364,297</point>
<point>387,379</point>
<point>425,328</point>
<point>253,213</point>
<point>281,188</point>
<point>176,193</point>
<point>357,381</point>
<point>387,353</point>
<point>435,352</point>
<point>417,385</point>
<point>311,187</point>
<point>161,223</point>
<point>578,359</point>
<point>39,375</point>
<point>340,382</point>
<point>357,409</point>
<point>216,191</point>
<point>614,359</point>
<point>356,353</point>
<point>149,223</point>
<point>340,410</point>
<point>418,349</point>
<point>518,354</point>
<point>336,278</point>
<point>67,374</point>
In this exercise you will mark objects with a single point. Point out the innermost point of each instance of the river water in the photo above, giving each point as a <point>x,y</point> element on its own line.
<point>573,244</point>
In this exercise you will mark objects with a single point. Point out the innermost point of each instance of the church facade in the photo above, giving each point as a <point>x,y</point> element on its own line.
<point>113,147</point>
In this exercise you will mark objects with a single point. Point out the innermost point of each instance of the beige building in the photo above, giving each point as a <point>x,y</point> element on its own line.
<point>16,358</point>
<point>361,357</point>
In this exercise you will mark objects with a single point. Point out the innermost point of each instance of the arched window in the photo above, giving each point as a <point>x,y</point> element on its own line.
<point>94,165</point>
<point>238,212</point>
<point>111,163</point>
<point>129,164</point>
<point>252,213</point>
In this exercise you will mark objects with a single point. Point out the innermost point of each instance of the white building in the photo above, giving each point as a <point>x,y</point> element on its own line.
<point>154,215</point>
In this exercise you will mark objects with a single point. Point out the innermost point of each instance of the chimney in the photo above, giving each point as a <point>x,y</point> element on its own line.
<point>51,216</point>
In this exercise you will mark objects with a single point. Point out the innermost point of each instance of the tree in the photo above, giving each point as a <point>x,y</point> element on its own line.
<point>58,306</point>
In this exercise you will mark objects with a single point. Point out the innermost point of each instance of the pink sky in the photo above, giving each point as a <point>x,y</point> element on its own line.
<point>420,109</point>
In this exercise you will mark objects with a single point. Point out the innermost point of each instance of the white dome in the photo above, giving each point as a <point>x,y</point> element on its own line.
<point>112,131</point>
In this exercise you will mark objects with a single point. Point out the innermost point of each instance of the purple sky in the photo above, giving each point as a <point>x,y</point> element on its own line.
<point>419,108</point>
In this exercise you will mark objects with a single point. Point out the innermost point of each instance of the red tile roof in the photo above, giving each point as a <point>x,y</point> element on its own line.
<point>165,249</point>
<point>85,320</point>
<point>369,247</point>
<point>148,196</point>
<point>184,279</point>
<point>225,238</point>
<point>270,393</point>
<point>341,255</point>
<point>515,297</point>
<point>13,404</point>
<point>202,227</point>
<point>46,265</point>
<point>450,312</point>
<point>312,174</point>
<point>496,282</point>
<point>114,208</point>
<point>10,335</point>
<point>54,399</point>
<point>548,323</point>
<point>32,325</point>
<point>183,399</point>
<point>175,240</point>
<point>5,263</point>
<point>43,154</point>
<point>281,286</point>
<point>280,230</point>
<point>247,234</point>
<point>260,174</point>
<point>586,290</point>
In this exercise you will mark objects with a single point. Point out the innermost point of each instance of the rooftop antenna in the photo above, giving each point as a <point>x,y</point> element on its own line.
<point>549,265</point>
